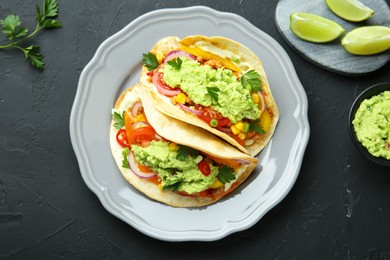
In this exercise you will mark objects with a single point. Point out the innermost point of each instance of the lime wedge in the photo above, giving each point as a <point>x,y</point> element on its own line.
<point>314,28</point>
<point>350,10</point>
<point>367,40</point>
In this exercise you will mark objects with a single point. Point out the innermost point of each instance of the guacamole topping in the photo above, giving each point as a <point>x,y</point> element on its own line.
<point>175,174</point>
<point>372,124</point>
<point>233,102</point>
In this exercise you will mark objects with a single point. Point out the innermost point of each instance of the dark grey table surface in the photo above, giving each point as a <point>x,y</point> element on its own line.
<point>338,208</point>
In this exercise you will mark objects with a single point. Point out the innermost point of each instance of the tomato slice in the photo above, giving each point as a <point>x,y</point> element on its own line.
<point>235,137</point>
<point>162,87</point>
<point>204,167</point>
<point>121,138</point>
<point>142,136</point>
<point>209,115</point>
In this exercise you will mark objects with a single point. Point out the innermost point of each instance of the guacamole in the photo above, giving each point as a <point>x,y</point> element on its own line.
<point>233,101</point>
<point>372,124</point>
<point>175,174</point>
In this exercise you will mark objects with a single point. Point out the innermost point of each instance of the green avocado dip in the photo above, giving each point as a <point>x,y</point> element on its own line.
<point>372,124</point>
<point>178,173</point>
<point>232,101</point>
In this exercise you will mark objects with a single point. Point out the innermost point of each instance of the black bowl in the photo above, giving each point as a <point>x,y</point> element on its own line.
<point>369,92</point>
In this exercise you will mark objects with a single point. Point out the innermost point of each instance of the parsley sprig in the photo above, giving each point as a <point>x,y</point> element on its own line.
<point>251,80</point>
<point>16,34</point>
<point>226,174</point>
<point>255,127</point>
<point>175,63</point>
<point>213,92</point>
<point>150,61</point>
<point>185,151</point>
<point>119,122</point>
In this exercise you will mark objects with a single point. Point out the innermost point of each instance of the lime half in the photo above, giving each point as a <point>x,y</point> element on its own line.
<point>367,40</point>
<point>351,10</point>
<point>314,28</point>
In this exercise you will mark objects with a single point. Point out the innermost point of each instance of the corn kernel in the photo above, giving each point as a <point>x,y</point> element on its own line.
<point>239,125</point>
<point>181,98</point>
<point>159,57</point>
<point>242,136</point>
<point>140,118</point>
<point>159,186</point>
<point>216,184</point>
<point>173,147</point>
<point>255,98</point>
<point>234,129</point>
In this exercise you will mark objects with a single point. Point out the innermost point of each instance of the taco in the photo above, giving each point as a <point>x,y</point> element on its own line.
<point>171,161</point>
<point>214,83</point>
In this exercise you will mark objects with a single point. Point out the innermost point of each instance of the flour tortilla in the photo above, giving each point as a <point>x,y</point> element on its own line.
<point>180,133</point>
<point>248,61</point>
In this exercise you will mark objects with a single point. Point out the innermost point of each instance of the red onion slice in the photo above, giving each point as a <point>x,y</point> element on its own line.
<point>162,87</point>
<point>190,110</point>
<point>225,129</point>
<point>135,108</point>
<point>243,161</point>
<point>139,124</point>
<point>136,170</point>
<point>178,53</point>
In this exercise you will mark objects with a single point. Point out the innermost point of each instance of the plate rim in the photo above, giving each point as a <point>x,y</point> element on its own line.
<point>100,191</point>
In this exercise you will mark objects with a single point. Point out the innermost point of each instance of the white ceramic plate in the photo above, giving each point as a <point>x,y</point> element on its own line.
<point>116,66</point>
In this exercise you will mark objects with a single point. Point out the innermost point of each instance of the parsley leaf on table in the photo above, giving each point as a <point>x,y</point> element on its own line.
<point>251,78</point>
<point>16,34</point>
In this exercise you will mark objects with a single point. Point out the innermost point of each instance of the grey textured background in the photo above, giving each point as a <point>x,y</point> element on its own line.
<point>338,208</point>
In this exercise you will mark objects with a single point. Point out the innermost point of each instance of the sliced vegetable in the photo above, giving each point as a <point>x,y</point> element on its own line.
<point>204,167</point>
<point>121,138</point>
<point>134,167</point>
<point>162,87</point>
<point>178,53</point>
<point>142,136</point>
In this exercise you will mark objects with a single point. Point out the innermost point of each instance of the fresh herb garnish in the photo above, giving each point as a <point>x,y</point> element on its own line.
<point>173,187</point>
<point>213,92</point>
<point>119,122</point>
<point>16,34</point>
<point>175,63</point>
<point>226,174</point>
<point>251,80</point>
<point>185,151</point>
<point>125,161</point>
<point>255,127</point>
<point>150,61</point>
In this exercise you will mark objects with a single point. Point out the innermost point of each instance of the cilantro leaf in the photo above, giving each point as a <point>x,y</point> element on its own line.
<point>11,27</point>
<point>226,174</point>
<point>213,92</point>
<point>119,122</point>
<point>173,187</point>
<point>150,61</point>
<point>185,151</point>
<point>252,79</point>
<point>175,63</point>
<point>50,8</point>
<point>255,127</point>
<point>32,54</point>
<point>125,161</point>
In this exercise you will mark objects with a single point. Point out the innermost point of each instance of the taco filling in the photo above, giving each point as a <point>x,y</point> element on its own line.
<point>213,88</point>
<point>171,166</point>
